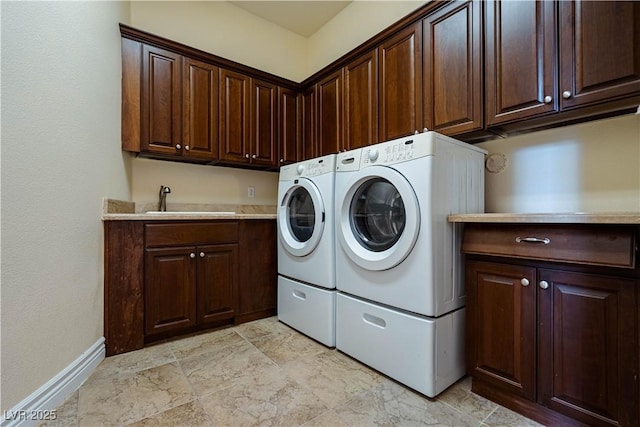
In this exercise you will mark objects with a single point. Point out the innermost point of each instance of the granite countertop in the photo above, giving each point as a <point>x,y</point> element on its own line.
<point>550,218</point>
<point>118,210</point>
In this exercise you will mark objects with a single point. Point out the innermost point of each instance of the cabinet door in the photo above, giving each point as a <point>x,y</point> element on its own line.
<point>501,326</point>
<point>288,126</point>
<point>588,347</point>
<point>200,94</point>
<point>452,58</point>
<point>520,60</point>
<point>309,124</point>
<point>263,123</point>
<point>329,92</point>
<point>361,101</point>
<point>234,116</point>
<point>217,282</point>
<point>401,83</point>
<point>161,106</point>
<point>599,51</point>
<point>257,270</point>
<point>170,290</point>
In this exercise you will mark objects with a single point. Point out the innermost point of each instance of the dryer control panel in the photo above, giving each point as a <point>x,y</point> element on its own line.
<point>309,168</point>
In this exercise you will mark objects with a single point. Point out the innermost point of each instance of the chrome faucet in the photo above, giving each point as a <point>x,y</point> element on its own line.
<point>162,198</point>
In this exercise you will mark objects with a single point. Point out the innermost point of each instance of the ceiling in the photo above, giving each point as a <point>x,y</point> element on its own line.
<point>301,17</point>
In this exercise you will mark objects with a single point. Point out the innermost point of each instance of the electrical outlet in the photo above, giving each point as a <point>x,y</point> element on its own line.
<point>251,192</point>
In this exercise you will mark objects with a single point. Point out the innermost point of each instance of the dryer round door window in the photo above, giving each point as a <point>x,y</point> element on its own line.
<point>379,218</point>
<point>301,218</point>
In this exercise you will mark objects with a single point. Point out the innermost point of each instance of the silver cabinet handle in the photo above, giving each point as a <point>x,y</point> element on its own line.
<point>201,254</point>
<point>544,284</point>
<point>178,146</point>
<point>548,99</point>
<point>192,255</point>
<point>254,156</point>
<point>566,94</point>
<point>524,282</point>
<point>186,147</point>
<point>281,160</point>
<point>246,156</point>
<point>544,240</point>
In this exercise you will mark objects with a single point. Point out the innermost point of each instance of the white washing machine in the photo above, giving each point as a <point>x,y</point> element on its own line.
<point>306,248</point>
<point>397,253</point>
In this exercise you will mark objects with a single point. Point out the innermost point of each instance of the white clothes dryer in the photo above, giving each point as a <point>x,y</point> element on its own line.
<point>398,268</point>
<point>306,248</point>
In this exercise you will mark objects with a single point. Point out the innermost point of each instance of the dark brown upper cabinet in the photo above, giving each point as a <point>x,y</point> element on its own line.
<point>400,75</point>
<point>599,51</point>
<point>361,101</point>
<point>200,112</point>
<point>263,144</point>
<point>330,124</point>
<point>452,63</point>
<point>247,120</point>
<point>289,118</point>
<point>309,147</point>
<point>590,66</point>
<point>161,103</point>
<point>235,115</point>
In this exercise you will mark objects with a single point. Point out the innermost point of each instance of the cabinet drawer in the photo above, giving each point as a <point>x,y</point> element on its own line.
<point>190,233</point>
<point>604,245</point>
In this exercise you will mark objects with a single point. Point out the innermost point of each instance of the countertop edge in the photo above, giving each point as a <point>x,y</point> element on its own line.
<point>548,218</point>
<point>177,216</point>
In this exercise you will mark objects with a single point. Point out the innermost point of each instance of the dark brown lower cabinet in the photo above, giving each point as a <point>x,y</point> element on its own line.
<point>554,341</point>
<point>258,270</point>
<point>165,278</point>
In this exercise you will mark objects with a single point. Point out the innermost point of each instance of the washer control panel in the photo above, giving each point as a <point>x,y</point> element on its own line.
<point>398,150</point>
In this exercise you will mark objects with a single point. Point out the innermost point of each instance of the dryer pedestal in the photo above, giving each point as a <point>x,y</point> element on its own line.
<point>426,354</point>
<point>309,309</point>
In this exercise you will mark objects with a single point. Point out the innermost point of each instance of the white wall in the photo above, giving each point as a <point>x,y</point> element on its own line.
<point>354,25</point>
<point>590,167</point>
<point>60,156</point>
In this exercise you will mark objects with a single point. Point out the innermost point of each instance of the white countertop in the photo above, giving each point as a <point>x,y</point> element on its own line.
<point>551,218</point>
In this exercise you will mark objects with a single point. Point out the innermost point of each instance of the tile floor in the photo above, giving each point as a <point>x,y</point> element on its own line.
<point>261,373</point>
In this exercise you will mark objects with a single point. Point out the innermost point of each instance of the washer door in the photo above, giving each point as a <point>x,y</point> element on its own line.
<point>378,221</point>
<point>301,218</point>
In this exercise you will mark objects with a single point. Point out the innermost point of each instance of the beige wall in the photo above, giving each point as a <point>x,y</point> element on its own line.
<point>590,167</point>
<point>60,157</point>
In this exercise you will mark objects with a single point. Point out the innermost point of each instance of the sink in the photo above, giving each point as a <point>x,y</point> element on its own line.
<point>189,213</point>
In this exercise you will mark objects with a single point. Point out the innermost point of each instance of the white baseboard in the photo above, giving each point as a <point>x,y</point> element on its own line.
<point>56,390</point>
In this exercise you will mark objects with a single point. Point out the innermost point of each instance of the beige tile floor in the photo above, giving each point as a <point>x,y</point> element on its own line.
<point>262,373</point>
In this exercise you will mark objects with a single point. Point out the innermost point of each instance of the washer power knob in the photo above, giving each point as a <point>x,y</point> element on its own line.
<point>374,154</point>
<point>300,169</point>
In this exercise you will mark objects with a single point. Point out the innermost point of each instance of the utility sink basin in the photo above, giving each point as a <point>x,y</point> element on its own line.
<point>189,213</point>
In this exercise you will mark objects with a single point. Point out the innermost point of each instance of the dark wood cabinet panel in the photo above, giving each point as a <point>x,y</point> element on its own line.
<point>599,51</point>
<point>330,124</point>
<point>257,292</point>
<point>400,76</point>
<point>501,326</point>
<point>263,145</point>
<point>170,290</point>
<point>588,353</point>
<point>200,124</point>
<point>235,116</point>
<point>309,123</point>
<point>555,339</point>
<point>161,106</point>
<point>123,286</point>
<point>289,119</point>
<point>520,60</point>
<point>453,75</point>
<point>361,101</point>
<point>217,280</point>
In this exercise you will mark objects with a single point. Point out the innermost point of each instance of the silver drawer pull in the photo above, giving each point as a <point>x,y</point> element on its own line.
<point>546,241</point>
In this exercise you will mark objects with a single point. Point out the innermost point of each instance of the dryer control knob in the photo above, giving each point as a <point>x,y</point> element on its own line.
<point>300,169</point>
<point>373,155</point>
